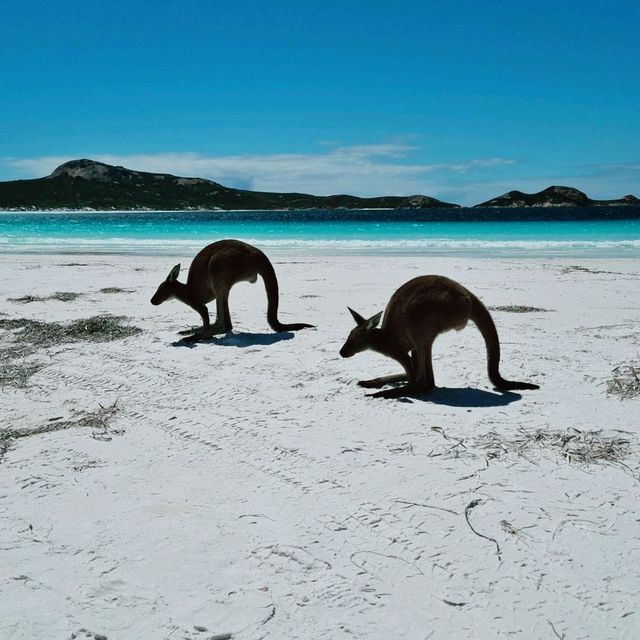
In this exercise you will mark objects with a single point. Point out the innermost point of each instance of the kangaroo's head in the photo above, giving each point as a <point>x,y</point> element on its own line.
<point>167,289</point>
<point>360,338</point>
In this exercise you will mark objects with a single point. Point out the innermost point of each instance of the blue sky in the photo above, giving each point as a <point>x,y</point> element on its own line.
<point>461,100</point>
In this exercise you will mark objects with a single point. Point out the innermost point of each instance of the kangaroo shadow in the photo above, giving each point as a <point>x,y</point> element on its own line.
<point>466,397</point>
<point>236,340</point>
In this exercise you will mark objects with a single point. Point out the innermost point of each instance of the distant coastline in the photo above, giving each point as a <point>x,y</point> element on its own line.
<point>90,186</point>
<point>435,215</point>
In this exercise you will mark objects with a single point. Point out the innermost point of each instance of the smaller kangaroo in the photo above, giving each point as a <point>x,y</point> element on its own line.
<point>416,314</point>
<point>213,272</point>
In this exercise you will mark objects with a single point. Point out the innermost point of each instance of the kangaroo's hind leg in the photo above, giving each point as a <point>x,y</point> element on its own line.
<point>195,335</point>
<point>223,317</point>
<point>423,381</point>
<point>194,332</point>
<point>219,326</point>
<point>409,367</point>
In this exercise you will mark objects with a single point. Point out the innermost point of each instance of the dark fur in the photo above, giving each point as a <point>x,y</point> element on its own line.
<point>213,272</point>
<point>416,314</point>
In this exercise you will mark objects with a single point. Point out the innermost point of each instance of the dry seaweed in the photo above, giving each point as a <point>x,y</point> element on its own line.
<point>14,351</point>
<point>14,371</point>
<point>16,374</point>
<point>26,299</point>
<point>576,446</point>
<point>30,335</point>
<point>625,382</point>
<point>576,267</point>
<point>116,290</point>
<point>62,296</point>
<point>517,308</point>
<point>98,421</point>
<point>102,328</point>
<point>467,510</point>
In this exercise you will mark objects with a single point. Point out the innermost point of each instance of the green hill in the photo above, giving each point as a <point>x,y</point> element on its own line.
<point>86,184</point>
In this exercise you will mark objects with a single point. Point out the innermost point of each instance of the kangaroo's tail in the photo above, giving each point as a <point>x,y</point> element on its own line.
<point>483,320</point>
<point>271,285</point>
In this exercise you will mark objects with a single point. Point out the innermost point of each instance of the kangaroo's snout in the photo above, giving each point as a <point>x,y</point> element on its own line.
<point>345,353</point>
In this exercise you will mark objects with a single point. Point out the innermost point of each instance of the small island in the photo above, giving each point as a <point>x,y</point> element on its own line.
<point>555,197</point>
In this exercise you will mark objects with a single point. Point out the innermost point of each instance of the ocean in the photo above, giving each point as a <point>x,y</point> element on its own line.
<point>524,233</point>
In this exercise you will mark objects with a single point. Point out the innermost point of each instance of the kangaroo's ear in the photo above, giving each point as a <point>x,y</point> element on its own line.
<point>374,321</point>
<point>356,316</point>
<point>174,273</point>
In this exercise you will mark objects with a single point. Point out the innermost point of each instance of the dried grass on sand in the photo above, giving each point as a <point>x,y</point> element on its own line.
<point>583,447</point>
<point>625,382</point>
<point>30,335</point>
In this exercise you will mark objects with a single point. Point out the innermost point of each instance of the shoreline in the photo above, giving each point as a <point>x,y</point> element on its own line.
<point>474,213</point>
<point>293,252</point>
<point>445,248</point>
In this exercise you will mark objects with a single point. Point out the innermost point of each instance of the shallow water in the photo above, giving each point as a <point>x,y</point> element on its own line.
<point>317,232</point>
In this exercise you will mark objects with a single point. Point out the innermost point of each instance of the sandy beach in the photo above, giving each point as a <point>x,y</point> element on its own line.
<point>248,488</point>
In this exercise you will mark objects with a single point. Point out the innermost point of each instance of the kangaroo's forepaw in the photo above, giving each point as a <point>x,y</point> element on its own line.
<point>201,335</point>
<point>193,337</point>
<point>188,332</point>
<point>377,383</point>
<point>374,383</point>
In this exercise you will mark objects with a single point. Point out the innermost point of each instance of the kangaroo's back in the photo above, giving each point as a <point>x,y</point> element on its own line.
<point>222,257</point>
<point>220,265</point>
<point>426,306</point>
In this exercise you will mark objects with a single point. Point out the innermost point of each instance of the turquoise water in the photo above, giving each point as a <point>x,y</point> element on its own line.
<point>183,233</point>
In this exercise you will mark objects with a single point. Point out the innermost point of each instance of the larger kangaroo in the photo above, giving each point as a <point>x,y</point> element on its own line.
<point>416,314</point>
<point>212,273</point>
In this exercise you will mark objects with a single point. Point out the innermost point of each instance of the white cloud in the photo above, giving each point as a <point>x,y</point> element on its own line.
<point>365,170</point>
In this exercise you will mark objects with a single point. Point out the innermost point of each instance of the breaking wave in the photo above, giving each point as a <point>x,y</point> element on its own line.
<point>447,246</point>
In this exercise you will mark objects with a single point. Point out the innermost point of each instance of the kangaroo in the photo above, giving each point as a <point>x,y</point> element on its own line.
<point>213,272</point>
<point>416,314</point>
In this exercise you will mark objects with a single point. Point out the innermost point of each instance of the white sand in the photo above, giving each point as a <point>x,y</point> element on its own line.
<point>250,487</point>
